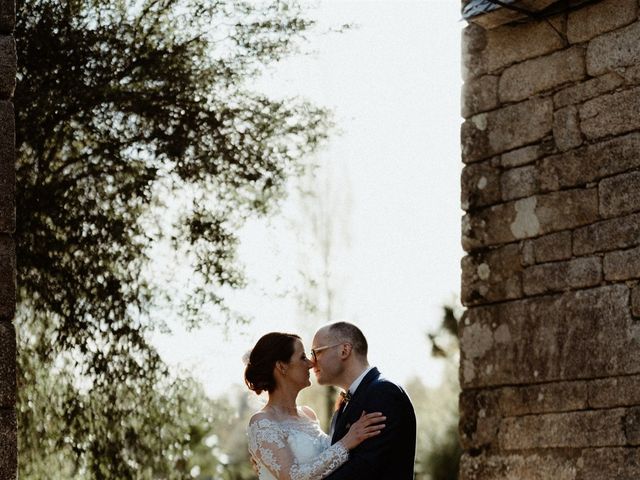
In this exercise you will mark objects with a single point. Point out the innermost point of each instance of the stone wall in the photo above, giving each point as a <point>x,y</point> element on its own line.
<point>550,342</point>
<point>8,439</point>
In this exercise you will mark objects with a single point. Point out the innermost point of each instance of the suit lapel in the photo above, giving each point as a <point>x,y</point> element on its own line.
<point>334,420</point>
<point>333,426</point>
<point>353,409</point>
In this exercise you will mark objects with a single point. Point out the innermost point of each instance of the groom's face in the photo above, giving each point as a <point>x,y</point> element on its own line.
<point>327,364</point>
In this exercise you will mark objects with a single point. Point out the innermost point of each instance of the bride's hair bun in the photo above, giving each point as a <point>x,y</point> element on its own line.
<point>271,348</point>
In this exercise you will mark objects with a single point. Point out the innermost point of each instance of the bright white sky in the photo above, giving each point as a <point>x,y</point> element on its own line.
<point>394,84</point>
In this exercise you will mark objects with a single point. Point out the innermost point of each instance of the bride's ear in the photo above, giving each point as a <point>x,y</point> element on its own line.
<point>282,368</point>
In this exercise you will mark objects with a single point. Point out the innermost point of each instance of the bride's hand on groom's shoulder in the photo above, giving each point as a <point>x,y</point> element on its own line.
<point>368,425</point>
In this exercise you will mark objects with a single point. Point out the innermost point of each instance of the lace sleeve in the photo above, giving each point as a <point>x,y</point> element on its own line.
<point>268,445</point>
<point>325,440</point>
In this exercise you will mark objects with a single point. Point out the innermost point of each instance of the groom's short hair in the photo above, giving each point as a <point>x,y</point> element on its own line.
<point>348,332</point>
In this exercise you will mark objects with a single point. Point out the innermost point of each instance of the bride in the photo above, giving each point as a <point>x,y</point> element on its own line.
<point>285,441</point>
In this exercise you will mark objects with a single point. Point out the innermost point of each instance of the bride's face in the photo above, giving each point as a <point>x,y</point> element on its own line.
<point>298,367</point>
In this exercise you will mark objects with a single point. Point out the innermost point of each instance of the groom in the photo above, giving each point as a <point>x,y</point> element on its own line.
<point>339,356</point>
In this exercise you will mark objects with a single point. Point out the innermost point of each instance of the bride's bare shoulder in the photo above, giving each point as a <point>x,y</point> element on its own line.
<point>260,415</point>
<point>308,411</point>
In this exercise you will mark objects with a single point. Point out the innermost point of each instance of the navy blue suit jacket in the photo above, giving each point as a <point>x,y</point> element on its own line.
<point>391,454</point>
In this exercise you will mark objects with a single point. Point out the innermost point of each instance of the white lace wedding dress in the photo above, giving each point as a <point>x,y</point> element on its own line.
<point>295,448</point>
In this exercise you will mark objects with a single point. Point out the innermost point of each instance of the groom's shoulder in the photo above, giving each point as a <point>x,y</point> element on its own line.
<point>383,385</point>
<point>391,398</point>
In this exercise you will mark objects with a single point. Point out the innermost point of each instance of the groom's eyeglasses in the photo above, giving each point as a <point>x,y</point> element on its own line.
<point>314,351</point>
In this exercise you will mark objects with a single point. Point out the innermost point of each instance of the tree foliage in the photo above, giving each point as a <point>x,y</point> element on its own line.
<point>441,457</point>
<point>137,125</point>
<point>166,429</point>
<point>123,106</point>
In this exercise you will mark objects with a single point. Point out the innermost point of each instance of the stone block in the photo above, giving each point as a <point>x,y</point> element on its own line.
<point>528,257</point>
<point>7,365</point>
<point>552,247</point>
<point>506,45</point>
<point>560,276</point>
<point>610,463</point>
<point>591,163</point>
<point>622,264</point>
<point>630,74</point>
<point>541,465</point>
<point>7,277</point>
<point>7,16</point>
<point>522,156</point>
<point>557,211</point>
<point>487,134</point>
<point>566,128</point>
<point>491,226</point>
<point>620,195</point>
<point>587,90</point>
<point>479,418</point>
<point>613,50</point>
<point>577,335</point>
<point>7,167</point>
<point>593,20</point>
<point>614,392</point>
<point>8,445</point>
<point>567,464</point>
<point>599,428</point>
<point>635,304</point>
<point>519,182</point>
<point>558,464</point>
<point>492,276</point>
<point>479,95</point>
<point>8,66</point>
<point>607,235</point>
<point>543,398</point>
<point>558,397</point>
<point>531,77</point>
<point>529,217</point>
<point>611,114</point>
<point>474,41</point>
<point>480,185</point>
<point>631,425</point>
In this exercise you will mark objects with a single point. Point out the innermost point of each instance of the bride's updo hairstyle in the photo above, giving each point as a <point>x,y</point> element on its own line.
<point>271,348</point>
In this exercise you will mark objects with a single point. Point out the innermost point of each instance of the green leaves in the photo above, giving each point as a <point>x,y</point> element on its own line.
<point>122,106</point>
<point>75,429</point>
<point>138,128</point>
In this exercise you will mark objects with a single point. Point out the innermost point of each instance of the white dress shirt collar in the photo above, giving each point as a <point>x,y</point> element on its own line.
<point>356,383</point>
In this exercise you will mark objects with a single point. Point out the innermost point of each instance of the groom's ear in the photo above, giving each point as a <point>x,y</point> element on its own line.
<point>346,350</point>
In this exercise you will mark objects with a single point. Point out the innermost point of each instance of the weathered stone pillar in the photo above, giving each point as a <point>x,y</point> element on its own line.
<point>8,435</point>
<point>550,343</point>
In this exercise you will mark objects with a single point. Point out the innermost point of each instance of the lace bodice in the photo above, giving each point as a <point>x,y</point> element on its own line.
<point>295,449</point>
